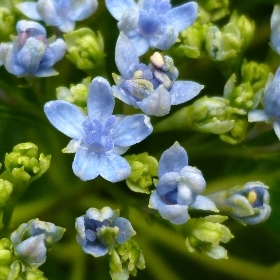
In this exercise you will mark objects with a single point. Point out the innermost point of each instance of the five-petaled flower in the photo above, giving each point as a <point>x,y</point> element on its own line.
<point>152,22</point>
<point>151,88</point>
<point>271,103</point>
<point>31,53</point>
<point>178,187</point>
<point>99,230</point>
<point>32,240</point>
<point>248,204</point>
<point>60,13</point>
<point>99,138</point>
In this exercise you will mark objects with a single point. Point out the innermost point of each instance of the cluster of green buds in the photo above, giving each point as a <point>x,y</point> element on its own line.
<point>216,9</point>
<point>6,20</point>
<point>205,234</point>
<point>85,48</point>
<point>125,260</point>
<point>76,94</point>
<point>143,169</point>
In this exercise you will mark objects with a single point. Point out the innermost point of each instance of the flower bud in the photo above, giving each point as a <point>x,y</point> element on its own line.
<point>6,22</point>
<point>205,234</point>
<point>6,189</point>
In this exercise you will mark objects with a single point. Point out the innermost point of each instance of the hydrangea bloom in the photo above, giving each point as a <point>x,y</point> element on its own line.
<point>152,22</point>
<point>95,227</point>
<point>248,204</point>
<point>99,138</point>
<point>151,88</point>
<point>31,52</point>
<point>32,239</point>
<point>60,13</point>
<point>271,103</point>
<point>178,187</point>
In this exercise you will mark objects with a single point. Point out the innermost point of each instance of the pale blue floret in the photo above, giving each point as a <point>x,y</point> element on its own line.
<point>30,53</point>
<point>99,138</point>
<point>89,230</point>
<point>271,103</point>
<point>32,240</point>
<point>151,88</point>
<point>179,187</point>
<point>60,13</point>
<point>152,23</point>
<point>275,29</point>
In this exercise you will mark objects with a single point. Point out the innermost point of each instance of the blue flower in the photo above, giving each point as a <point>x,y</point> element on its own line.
<point>178,187</point>
<point>99,230</point>
<point>151,88</point>
<point>31,53</point>
<point>99,138</point>
<point>152,22</point>
<point>248,204</point>
<point>60,13</point>
<point>271,103</point>
<point>275,29</point>
<point>32,239</point>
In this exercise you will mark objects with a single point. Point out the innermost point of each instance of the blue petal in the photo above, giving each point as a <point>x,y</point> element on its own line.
<point>176,214</point>
<point>275,29</point>
<point>156,104</point>
<point>80,228</point>
<point>85,165</point>
<point>126,230</point>
<point>276,127</point>
<point>117,8</point>
<point>172,160</point>
<point>47,9</point>
<point>46,72</point>
<point>113,167</point>
<point>185,194</point>
<point>204,203</point>
<point>126,56</point>
<point>131,130</point>
<point>65,117</point>
<point>100,214</point>
<point>140,43</point>
<point>168,183</point>
<point>183,91</point>
<point>183,16</point>
<point>83,11</point>
<point>258,116</point>
<point>166,40</point>
<point>33,28</point>
<point>122,95</point>
<point>255,219</point>
<point>29,9</point>
<point>129,20</point>
<point>101,101</point>
<point>96,250</point>
<point>66,26</point>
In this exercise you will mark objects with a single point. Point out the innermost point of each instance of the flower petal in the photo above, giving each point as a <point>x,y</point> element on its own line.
<point>158,103</point>
<point>48,12</point>
<point>140,43</point>
<point>29,10</point>
<point>33,28</point>
<point>276,127</point>
<point>183,16</point>
<point>83,11</point>
<point>258,116</point>
<point>166,40</point>
<point>129,20</point>
<point>183,91</point>
<point>113,167</point>
<point>172,160</point>
<point>131,130</point>
<point>101,101</point>
<point>117,8</point>
<point>65,117</point>
<point>204,203</point>
<point>168,183</point>
<point>176,214</point>
<point>126,56</point>
<point>126,230</point>
<point>85,165</point>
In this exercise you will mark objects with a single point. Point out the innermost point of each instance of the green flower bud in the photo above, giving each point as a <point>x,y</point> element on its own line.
<point>107,236</point>
<point>217,8</point>
<point>24,164</point>
<point>85,48</point>
<point>205,234</point>
<point>6,189</point>
<point>143,168</point>
<point>77,94</point>
<point>125,260</point>
<point>6,22</point>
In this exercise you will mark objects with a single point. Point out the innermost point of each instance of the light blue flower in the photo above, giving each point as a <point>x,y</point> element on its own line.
<point>99,230</point>
<point>99,138</point>
<point>31,53</point>
<point>248,204</point>
<point>60,13</point>
<point>271,103</point>
<point>275,29</point>
<point>151,88</point>
<point>179,187</point>
<point>32,240</point>
<point>152,22</point>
